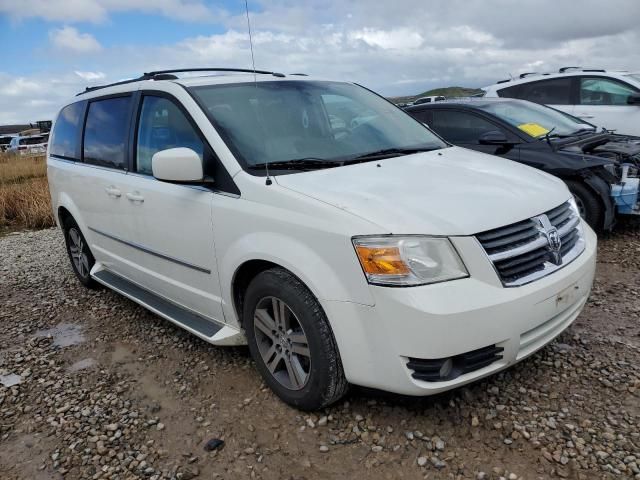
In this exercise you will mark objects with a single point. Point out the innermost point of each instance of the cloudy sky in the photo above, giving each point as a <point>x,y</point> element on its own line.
<point>51,49</point>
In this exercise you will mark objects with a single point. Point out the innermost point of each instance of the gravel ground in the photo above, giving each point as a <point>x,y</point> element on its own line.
<point>108,390</point>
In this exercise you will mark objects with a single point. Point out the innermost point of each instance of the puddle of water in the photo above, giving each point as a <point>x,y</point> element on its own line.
<point>82,365</point>
<point>64,335</point>
<point>10,380</point>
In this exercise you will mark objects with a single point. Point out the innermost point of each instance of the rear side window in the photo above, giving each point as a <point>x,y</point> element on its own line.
<point>64,140</point>
<point>163,126</point>
<point>604,91</point>
<point>106,132</point>
<point>32,140</point>
<point>460,127</point>
<point>555,91</point>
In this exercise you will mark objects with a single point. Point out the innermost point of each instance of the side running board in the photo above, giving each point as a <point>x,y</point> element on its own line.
<point>172,312</point>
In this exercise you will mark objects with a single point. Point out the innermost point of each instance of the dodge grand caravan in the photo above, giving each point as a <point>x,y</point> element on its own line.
<point>336,235</point>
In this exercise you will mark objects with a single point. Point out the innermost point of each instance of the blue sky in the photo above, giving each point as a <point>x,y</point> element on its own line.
<point>52,49</point>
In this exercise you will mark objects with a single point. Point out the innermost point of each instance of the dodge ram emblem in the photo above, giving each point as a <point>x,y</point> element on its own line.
<point>553,239</point>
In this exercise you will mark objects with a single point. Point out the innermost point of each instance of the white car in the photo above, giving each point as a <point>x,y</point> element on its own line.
<point>607,99</point>
<point>431,99</point>
<point>28,145</point>
<point>376,254</point>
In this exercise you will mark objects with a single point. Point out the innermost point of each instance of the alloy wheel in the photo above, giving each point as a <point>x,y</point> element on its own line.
<point>282,343</point>
<point>78,252</point>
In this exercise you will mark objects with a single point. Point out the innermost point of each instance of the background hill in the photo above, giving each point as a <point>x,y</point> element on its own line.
<point>446,91</point>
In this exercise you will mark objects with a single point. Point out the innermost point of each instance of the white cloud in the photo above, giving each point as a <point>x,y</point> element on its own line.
<point>399,39</point>
<point>395,48</point>
<point>90,76</point>
<point>69,39</point>
<point>70,11</point>
<point>16,87</point>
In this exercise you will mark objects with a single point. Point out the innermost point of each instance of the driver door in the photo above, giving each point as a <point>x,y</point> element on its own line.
<point>173,222</point>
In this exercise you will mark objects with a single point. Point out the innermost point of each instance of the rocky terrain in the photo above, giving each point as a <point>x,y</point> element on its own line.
<point>93,386</point>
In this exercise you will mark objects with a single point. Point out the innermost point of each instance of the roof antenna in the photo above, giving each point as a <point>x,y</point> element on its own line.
<point>255,80</point>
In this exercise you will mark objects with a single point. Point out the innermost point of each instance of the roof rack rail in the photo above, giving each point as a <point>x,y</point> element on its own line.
<point>582,69</point>
<point>504,81</point>
<point>526,74</point>
<point>169,75</point>
<point>215,69</point>
<point>564,69</point>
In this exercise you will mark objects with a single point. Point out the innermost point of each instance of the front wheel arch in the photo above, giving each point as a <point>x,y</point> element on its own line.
<point>589,200</point>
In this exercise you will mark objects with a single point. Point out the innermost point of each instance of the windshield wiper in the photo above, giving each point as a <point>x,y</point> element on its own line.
<point>388,152</point>
<point>584,130</point>
<point>297,164</point>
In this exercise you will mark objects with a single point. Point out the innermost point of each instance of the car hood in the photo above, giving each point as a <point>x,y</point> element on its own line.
<point>453,191</point>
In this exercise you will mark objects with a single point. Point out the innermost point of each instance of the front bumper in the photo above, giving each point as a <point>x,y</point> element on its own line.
<point>452,318</point>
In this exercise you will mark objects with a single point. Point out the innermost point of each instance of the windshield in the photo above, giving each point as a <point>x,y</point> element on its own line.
<point>291,120</point>
<point>536,120</point>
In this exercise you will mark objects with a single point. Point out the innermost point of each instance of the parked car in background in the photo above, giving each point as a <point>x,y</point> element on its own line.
<point>600,168</point>
<point>430,99</point>
<point>30,145</point>
<point>5,140</point>
<point>604,98</point>
<point>315,221</point>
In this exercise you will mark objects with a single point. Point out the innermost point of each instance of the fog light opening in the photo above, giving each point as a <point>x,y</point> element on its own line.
<point>445,369</point>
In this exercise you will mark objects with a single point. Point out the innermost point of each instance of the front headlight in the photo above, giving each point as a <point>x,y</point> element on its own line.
<point>408,260</point>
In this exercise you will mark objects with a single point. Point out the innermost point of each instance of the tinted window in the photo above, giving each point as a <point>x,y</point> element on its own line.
<point>106,132</point>
<point>604,91</point>
<point>555,91</point>
<point>424,116</point>
<point>64,141</point>
<point>162,126</point>
<point>460,127</point>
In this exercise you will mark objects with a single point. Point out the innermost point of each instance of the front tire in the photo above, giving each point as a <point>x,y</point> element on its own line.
<point>589,205</point>
<point>291,341</point>
<point>82,260</point>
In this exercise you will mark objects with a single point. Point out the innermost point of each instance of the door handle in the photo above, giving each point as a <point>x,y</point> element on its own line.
<point>113,191</point>
<point>135,197</point>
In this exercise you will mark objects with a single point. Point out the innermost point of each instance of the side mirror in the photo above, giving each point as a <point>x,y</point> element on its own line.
<point>634,99</point>
<point>177,165</point>
<point>494,137</point>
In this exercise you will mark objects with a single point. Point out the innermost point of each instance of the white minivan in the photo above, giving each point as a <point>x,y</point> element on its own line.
<point>364,252</point>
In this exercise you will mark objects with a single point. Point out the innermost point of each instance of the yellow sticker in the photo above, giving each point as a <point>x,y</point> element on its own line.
<point>533,129</point>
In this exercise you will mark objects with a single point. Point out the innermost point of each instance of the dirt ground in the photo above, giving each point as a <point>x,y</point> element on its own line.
<point>108,390</point>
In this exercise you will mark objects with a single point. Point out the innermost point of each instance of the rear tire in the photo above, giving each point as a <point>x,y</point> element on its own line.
<point>589,205</point>
<point>80,255</point>
<point>291,341</point>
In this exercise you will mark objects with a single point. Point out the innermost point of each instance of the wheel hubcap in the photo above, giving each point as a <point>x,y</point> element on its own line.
<point>78,254</point>
<point>282,343</point>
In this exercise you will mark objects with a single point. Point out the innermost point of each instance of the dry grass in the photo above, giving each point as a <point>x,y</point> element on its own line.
<point>24,193</point>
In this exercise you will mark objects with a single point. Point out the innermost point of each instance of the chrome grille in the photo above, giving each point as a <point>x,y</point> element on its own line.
<point>528,250</point>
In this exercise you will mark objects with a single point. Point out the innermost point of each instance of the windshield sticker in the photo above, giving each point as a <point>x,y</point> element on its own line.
<point>533,129</point>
